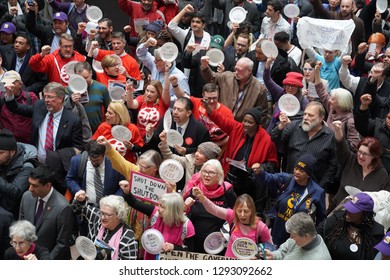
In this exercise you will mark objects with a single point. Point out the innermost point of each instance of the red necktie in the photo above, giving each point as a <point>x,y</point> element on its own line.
<point>49,134</point>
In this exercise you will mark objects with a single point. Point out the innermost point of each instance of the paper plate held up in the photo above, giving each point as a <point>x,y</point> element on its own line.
<point>244,248</point>
<point>167,121</point>
<point>91,25</point>
<point>174,138</point>
<point>94,13</point>
<point>97,66</point>
<point>289,104</point>
<point>381,5</point>
<point>257,1</point>
<point>291,10</point>
<point>69,67</point>
<point>152,241</point>
<point>168,52</point>
<point>352,191</point>
<point>237,14</point>
<point>269,48</point>
<point>86,248</point>
<point>216,56</point>
<point>77,83</point>
<point>171,170</point>
<point>214,243</point>
<point>116,93</point>
<point>229,24</point>
<point>121,133</point>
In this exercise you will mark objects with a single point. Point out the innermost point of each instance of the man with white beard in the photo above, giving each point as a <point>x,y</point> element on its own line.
<point>308,136</point>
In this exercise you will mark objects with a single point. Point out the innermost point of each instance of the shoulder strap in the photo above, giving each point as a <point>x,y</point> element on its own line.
<point>184,229</point>
<point>259,229</point>
<point>83,163</point>
<point>28,97</point>
<point>187,39</point>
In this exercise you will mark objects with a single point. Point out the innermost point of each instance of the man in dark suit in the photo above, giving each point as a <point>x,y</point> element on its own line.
<point>193,132</point>
<point>49,211</point>
<point>81,173</point>
<point>55,130</point>
<point>16,58</point>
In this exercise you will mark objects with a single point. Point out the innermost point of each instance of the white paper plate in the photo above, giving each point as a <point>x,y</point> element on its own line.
<point>257,1</point>
<point>116,93</point>
<point>237,14</point>
<point>244,248</point>
<point>171,170</point>
<point>77,83</point>
<point>152,241</point>
<point>269,48</point>
<point>352,191</point>
<point>229,24</point>
<point>91,25</point>
<point>94,13</point>
<point>97,66</point>
<point>214,243</point>
<point>216,56</point>
<point>118,58</point>
<point>381,5</point>
<point>289,104</point>
<point>174,138</point>
<point>291,10</point>
<point>168,52</point>
<point>121,133</point>
<point>167,121</point>
<point>69,67</point>
<point>86,248</point>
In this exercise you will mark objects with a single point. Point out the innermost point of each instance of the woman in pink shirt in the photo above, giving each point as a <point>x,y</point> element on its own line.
<point>242,219</point>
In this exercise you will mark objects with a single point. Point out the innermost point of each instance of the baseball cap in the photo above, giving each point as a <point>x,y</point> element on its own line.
<point>217,41</point>
<point>361,202</point>
<point>384,245</point>
<point>60,16</point>
<point>8,27</point>
<point>10,76</point>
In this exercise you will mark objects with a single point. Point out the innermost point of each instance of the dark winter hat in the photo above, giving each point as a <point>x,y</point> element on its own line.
<point>361,202</point>
<point>155,27</point>
<point>294,79</point>
<point>256,113</point>
<point>209,149</point>
<point>306,163</point>
<point>7,140</point>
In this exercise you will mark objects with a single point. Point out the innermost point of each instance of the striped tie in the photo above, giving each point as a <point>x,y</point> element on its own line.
<point>49,134</point>
<point>98,185</point>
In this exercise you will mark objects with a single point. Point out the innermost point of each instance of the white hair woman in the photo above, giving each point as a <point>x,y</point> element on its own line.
<point>23,237</point>
<point>168,218</point>
<point>107,224</point>
<point>210,180</point>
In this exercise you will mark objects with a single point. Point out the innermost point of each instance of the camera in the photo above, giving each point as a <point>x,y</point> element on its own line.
<point>30,2</point>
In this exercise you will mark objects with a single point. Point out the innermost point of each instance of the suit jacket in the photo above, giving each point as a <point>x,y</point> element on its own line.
<point>32,81</point>
<point>69,129</point>
<point>54,228</point>
<point>195,134</point>
<point>76,183</point>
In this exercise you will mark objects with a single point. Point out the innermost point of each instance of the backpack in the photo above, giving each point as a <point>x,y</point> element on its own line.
<point>82,164</point>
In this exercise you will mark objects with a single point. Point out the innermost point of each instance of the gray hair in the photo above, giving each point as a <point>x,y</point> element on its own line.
<point>117,203</point>
<point>66,37</point>
<point>23,229</point>
<point>56,88</point>
<point>344,98</point>
<point>301,224</point>
<point>217,164</point>
<point>248,63</point>
<point>152,158</point>
<point>174,209</point>
<point>81,66</point>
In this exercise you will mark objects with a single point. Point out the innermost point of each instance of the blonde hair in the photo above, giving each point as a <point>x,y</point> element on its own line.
<point>174,209</point>
<point>121,111</point>
<point>109,60</point>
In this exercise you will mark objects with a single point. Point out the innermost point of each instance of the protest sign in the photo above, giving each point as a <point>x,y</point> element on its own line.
<point>184,255</point>
<point>147,188</point>
<point>324,33</point>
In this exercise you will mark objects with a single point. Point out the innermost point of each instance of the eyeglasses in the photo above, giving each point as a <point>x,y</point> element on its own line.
<point>50,97</point>
<point>308,69</point>
<point>363,154</point>
<point>66,47</point>
<point>143,167</point>
<point>106,215</point>
<point>21,245</point>
<point>210,98</point>
<point>209,173</point>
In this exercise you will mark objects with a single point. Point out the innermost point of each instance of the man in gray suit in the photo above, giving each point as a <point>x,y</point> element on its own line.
<point>49,211</point>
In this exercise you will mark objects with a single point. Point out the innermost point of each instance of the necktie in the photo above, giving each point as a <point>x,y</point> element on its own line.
<point>98,185</point>
<point>49,134</point>
<point>179,129</point>
<point>39,211</point>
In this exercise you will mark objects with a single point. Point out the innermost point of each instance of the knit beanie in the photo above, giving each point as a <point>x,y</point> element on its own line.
<point>209,149</point>
<point>256,113</point>
<point>155,27</point>
<point>306,163</point>
<point>7,140</point>
<point>294,79</point>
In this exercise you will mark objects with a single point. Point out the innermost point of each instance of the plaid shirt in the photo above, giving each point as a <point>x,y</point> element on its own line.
<point>128,246</point>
